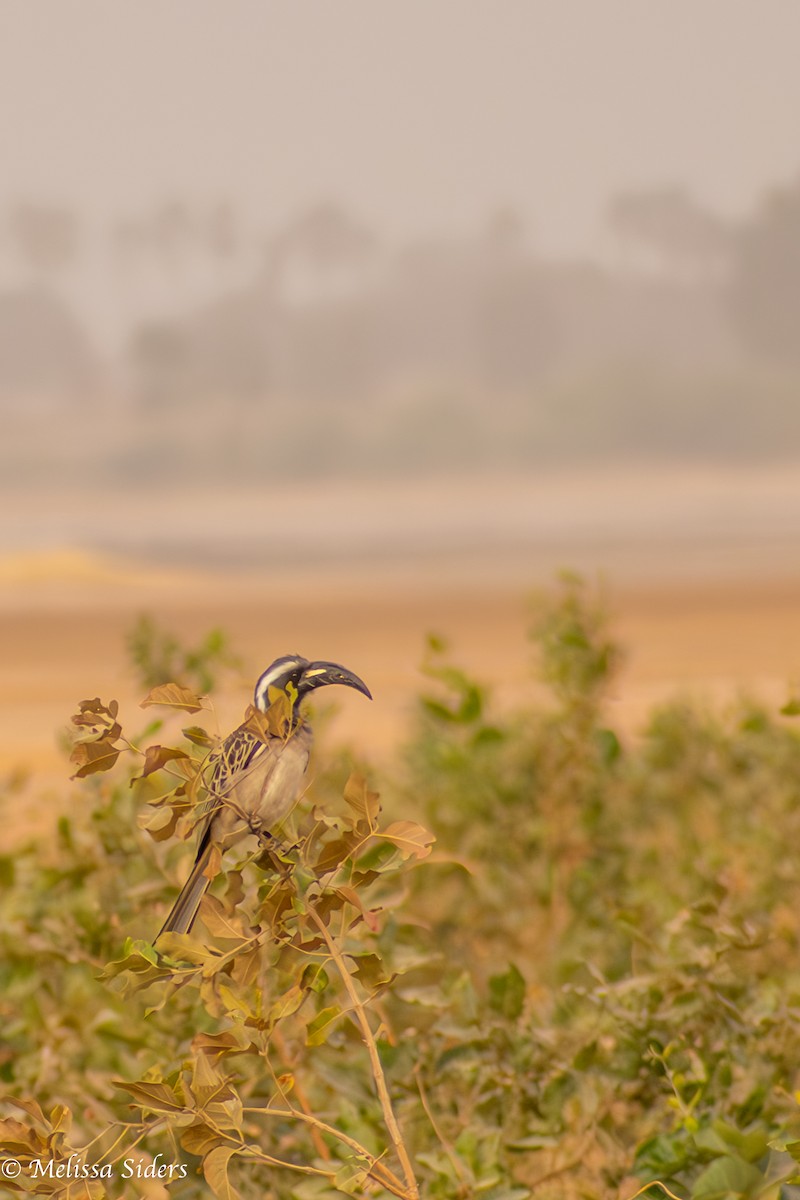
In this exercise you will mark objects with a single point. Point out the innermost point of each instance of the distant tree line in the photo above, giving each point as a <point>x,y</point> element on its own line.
<point>321,309</point>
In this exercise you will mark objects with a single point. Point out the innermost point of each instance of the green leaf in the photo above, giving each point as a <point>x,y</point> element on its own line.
<point>315,978</point>
<point>287,1004</point>
<point>728,1178</point>
<point>139,962</point>
<point>426,995</point>
<point>608,744</point>
<point>352,1177</point>
<point>507,993</point>
<point>371,971</point>
<point>318,1030</point>
<point>8,872</point>
<point>664,1155</point>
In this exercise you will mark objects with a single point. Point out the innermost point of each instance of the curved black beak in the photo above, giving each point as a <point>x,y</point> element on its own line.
<point>321,674</point>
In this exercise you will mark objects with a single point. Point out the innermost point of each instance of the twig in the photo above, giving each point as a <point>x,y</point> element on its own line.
<point>379,1171</point>
<point>320,1146</point>
<point>447,1146</point>
<point>382,1089</point>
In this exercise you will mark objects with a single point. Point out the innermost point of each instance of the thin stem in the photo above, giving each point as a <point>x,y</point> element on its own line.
<point>656,1183</point>
<point>383,1174</point>
<point>392,1127</point>
<point>277,1040</point>
<point>448,1148</point>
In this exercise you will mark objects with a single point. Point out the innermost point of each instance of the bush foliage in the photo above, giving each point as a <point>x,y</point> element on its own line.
<point>587,988</point>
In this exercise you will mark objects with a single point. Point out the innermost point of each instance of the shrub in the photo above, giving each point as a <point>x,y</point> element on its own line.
<point>590,987</point>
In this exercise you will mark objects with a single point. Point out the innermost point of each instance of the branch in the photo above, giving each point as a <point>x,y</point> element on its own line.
<point>379,1171</point>
<point>374,1058</point>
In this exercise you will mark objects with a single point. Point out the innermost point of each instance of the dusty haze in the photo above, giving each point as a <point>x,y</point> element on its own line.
<point>380,315</point>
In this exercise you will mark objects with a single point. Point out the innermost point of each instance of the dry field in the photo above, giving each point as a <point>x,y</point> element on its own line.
<point>65,617</point>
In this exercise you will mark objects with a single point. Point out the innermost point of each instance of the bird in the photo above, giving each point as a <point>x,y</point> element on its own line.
<point>254,779</point>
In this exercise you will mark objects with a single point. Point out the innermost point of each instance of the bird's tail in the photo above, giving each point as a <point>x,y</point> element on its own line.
<point>184,910</point>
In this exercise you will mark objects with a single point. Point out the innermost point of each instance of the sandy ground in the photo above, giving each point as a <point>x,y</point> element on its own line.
<point>64,619</point>
<point>701,564</point>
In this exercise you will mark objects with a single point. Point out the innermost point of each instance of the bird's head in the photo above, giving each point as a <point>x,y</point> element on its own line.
<point>304,676</point>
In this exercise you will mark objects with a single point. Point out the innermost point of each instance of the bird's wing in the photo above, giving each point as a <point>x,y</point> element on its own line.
<point>239,754</point>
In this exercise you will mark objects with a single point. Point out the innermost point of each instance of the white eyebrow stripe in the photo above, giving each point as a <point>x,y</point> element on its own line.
<point>274,675</point>
<point>279,669</point>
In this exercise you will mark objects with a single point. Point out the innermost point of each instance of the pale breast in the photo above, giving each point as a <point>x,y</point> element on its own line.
<point>268,789</point>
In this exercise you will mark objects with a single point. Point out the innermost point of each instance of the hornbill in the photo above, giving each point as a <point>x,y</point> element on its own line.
<point>253,783</point>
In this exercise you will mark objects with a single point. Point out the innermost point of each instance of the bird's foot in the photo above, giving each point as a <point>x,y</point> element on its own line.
<point>276,852</point>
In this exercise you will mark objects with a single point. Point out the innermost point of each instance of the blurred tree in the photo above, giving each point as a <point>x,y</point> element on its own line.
<point>324,254</point>
<point>516,328</point>
<point>45,354</point>
<point>222,239</point>
<point>672,230</point>
<point>222,234</point>
<point>328,236</point>
<point>128,242</point>
<point>765,283</point>
<point>505,233</point>
<point>320,273</point>
<point>157,354</point>
<point>47,236</point>
<point>172,233</point>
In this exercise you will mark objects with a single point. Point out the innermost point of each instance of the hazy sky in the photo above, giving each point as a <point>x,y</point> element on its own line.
<point>424,115</point>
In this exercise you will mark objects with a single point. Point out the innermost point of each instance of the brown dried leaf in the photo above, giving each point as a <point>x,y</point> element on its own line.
<point>18,1139</point>
<point>93,757</point>
<point>361,801</point>
<point>184,947</point>
<point>158,1097</point>
<point>161,824</point>
<point>371,971</point>
<point>200,1138</point>
<point>60,1119</point>
<point>276,721</point>
<point>172,695</point>
<point>246,967</point>
<point>215,1169</point>
<point>220,923</point>
<point>351,896</point>
<point>217,1045</point>
<point>157,757</point>
<point>255,722</point>
<point>207,1081</point>
<point>199,736</point>
<point>334,853</point>
<point>412,840</point>
<point>31,1107</point>
<point>234,891</point>
<point>214,864</point>
<point>94,712</point>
